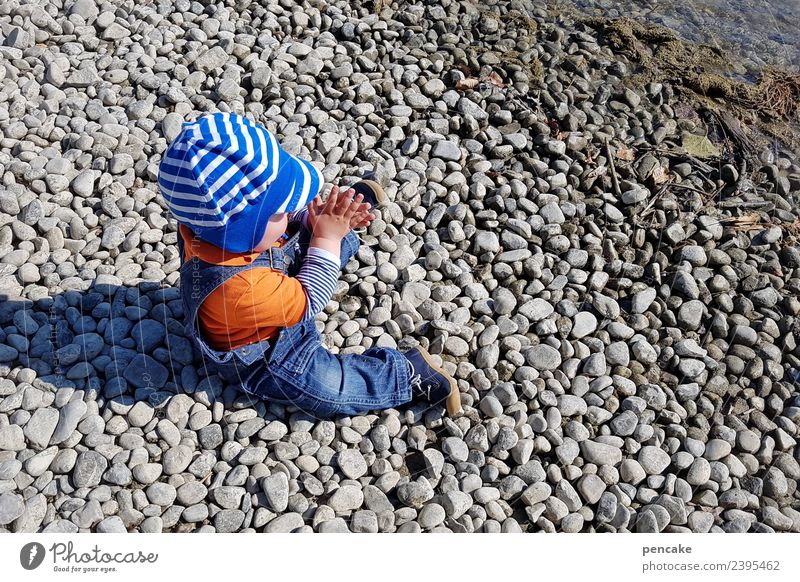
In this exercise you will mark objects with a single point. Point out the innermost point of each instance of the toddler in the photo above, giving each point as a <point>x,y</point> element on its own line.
<point>260,258</point>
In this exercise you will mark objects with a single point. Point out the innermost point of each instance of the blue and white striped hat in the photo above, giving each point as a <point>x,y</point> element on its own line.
<point>224,176</point>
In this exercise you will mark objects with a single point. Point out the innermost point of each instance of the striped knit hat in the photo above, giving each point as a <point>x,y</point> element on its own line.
<point>224,176</point>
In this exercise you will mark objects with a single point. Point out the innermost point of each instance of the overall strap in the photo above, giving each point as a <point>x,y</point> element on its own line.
<point>199,279</point>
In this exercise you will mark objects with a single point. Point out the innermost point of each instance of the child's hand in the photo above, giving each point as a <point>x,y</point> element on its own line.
<point>333,218</point>
<point>363,217</point>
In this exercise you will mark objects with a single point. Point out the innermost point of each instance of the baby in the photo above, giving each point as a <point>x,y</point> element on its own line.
<point>261,255</point>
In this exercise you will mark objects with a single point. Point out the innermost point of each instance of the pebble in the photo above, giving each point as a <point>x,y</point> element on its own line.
<point>276,490</point>
<point>415,493</point>
<point>89,469</point>
<point>11,438</point>
<point>286,523</point>
<point>591,488</point>
<point>68,418</point>
<point>161,494</point>
<point>543,357</point>
<point>600,453</point>
<point>346,498</point>
<point>583,324</point>
<point>40,428</point>
<point>456,504</point>
<point>717,449</point>
<point>536,309</point>
<point>176,460</point>
<point>446,150</point>
<point>352,463</point>
<point>11,507</point>
<point>431,515</point>
<point>654,460</point>
<point>455,449</point>
<point>228,520</point>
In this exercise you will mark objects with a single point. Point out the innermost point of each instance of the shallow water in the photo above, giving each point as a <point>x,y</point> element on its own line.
<point>756,33</point>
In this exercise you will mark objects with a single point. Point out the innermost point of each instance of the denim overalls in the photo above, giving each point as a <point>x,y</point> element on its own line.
<point>294,368</point>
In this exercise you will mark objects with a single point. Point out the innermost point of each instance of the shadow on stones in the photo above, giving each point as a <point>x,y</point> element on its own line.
<point>116,343</point>
<point>120,344</point>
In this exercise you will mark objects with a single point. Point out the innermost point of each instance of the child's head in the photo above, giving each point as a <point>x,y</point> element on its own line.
<point>231,183</point>
<point>276,226</point>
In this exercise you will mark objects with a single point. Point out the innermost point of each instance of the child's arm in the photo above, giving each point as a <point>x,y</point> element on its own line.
<point>331,221</point>
<point>318,276</point>
<point>300,216</point>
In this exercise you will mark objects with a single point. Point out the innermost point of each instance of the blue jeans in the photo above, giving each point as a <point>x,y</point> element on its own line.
<point>297,370</point>
<point>293,368</point>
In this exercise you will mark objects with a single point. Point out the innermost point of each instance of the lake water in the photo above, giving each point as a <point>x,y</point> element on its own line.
<point>756,33</point>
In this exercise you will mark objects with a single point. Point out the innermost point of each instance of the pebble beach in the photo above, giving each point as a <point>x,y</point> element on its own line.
<point>613,282</point>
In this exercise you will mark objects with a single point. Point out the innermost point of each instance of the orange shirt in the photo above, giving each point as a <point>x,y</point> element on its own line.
<point>250,306</point>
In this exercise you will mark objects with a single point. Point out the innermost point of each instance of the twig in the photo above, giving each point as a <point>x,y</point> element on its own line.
<point>688,187</point>
<point>649,207</point>
<point>614,179</point>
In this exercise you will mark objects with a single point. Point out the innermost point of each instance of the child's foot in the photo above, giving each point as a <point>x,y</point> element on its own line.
<point>371,191</point>
<point>432,383</point>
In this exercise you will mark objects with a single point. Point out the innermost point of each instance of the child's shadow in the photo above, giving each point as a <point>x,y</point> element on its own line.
<point>119,345</point>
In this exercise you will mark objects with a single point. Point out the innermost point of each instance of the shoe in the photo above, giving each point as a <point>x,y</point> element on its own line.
<point>371,191</point>
<point>431,383</point>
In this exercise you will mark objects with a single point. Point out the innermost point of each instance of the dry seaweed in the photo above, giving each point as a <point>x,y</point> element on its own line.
<point>698,72</point>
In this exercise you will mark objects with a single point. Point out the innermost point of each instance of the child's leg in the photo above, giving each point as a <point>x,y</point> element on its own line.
<point>304,374</point>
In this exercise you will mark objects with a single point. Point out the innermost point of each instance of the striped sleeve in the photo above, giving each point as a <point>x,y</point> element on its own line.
<point>300,216</point>
<point>318,276</point>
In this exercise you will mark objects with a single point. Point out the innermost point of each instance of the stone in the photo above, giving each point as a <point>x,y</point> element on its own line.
<point>591,488</point>
<point>654,460</point>
<point>446,150</point>
<point>276,490</point>
<point>82,78</point>
<point>89,469</point>
<point>775,483</point>
<point>11,507</point>
<point>162,494</point>
<point>176,460</point>
<point>145,372</point>
<point>571,405</point>
<point>68,418</point>
<point>41,426</point>
<point>140,414</point>
<point>352,463</point>
<point>285,523</point>
<point>228,520</point>
<point>600,453</point>
<point>642,300</point>
<point>88,515</point>
<point>455,449</point>
<point>717,449</point>
<point>148,335</point>
<point>486,242</point>
<point>228,497</point>
<point>434,462</point>
<point>211,59</point>
<point>606,306</point>
<point>431,515</point>
<point>415,493</point>
<point>346,498</point>
<point>543,357</point>
<point>536,309</point>
<point>456,503</point>
<point>261,77</point>
<point>171,126</point>
<point>583,324</point>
